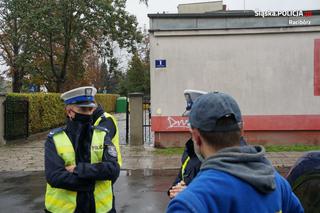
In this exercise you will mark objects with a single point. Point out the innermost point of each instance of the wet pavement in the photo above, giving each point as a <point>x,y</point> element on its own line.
<point>135,191</point>
<point>142,192</point>
<point>22,192</point>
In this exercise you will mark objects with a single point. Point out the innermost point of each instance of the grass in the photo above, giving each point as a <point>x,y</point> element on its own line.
<point>291,148</point>
<point>269,148</point>
<point>169,151</point>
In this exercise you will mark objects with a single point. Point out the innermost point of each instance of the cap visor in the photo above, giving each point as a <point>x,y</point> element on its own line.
<point>186,113</point>
<point>86,105</point>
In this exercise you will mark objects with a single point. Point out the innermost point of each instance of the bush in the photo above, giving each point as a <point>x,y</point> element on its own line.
<point>107,101</point>
<point>46,110</point>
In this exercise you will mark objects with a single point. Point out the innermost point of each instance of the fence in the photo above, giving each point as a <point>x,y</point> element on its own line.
<point>16,119</point>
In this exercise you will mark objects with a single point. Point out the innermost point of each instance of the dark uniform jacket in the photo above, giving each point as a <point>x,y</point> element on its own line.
<point>192,167</point>
<point>304,178</point>
<point>83,178</point>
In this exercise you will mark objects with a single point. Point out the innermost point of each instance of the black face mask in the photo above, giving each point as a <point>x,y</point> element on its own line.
<point>82,118</point>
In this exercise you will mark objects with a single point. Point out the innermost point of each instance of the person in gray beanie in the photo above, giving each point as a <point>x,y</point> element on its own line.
<point>232,178</point>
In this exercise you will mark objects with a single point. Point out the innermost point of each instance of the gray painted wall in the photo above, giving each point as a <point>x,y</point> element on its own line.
<point>226,20</point>
<point>200,7</point>
<point>269,72</point>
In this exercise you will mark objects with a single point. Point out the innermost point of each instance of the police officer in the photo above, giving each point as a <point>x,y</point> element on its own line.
<point>81,162</point>
<point>304,178</point>
<point>190,164</point>
<point>104,119</point>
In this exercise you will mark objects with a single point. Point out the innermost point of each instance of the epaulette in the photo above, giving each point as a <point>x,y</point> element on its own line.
<point>55,131</point>
<point>101,128</point>
<point>103,115</point>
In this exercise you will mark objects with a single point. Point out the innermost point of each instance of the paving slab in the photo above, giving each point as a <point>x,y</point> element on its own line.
<point>28,155</point>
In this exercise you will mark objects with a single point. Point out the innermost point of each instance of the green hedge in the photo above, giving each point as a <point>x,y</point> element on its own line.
<point>107,101</point>
<point>46,110</point>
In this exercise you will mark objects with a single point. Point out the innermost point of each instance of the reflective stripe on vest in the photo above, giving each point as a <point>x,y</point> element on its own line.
<point>65,201</point>
<point>183,168</point>
<point>115,139</point>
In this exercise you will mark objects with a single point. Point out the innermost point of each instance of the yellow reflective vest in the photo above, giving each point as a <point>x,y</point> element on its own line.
<point>115,139</point>
<point>64,201</point>
<point>183,168</point>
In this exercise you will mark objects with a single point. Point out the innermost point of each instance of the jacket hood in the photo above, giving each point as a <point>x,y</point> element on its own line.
<point>247,163</point>
<point>189,148</point>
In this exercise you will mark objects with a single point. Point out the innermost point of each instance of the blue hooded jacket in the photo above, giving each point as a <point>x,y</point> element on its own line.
<point>236,180</point>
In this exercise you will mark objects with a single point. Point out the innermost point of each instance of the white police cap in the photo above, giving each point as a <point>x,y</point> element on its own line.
<point>190,96</point>
<point>81,96</point>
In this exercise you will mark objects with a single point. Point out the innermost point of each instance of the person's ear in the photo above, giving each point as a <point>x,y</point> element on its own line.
<point>241,128</point>
<point>196,136</point>
<point>69,112</point>
<point>92,110</point>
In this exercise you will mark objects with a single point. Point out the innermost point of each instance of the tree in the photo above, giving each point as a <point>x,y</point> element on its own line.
<point>66,29</point>
<point>136,79</point>
<point>145,2</point>
<point>50,40</point>
<point>144,53</point>
<point>14,40</point>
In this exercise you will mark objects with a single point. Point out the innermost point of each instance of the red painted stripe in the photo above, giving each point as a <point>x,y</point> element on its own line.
<point>282,122</point>
<point>169,123</point>
<point>317,67</point>
<point>307,13</point>
<point>251,123</point>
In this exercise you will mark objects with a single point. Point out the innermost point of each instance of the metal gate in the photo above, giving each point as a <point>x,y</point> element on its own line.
<point>146,125</point>
<point>127,122</point>
<point>147,121</point>
<point>16,115</point>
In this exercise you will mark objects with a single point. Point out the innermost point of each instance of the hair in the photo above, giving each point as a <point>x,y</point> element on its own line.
<point>220,140</point>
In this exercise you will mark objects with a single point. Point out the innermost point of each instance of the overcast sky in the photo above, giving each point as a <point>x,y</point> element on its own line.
<point>155,6</point>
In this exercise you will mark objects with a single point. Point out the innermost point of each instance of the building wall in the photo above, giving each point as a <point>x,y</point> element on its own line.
<point>268,73</point>
<point>201,7</point>
<point>270,66</point>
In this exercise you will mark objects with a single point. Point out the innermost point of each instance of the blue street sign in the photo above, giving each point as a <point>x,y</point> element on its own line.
<point>32,88</point>
<point>161,63</point>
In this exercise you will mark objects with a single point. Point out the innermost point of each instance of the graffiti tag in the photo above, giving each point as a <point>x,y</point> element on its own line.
<point>181,123</point>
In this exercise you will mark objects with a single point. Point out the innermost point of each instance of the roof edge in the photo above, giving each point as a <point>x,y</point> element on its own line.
<point>216,14</point>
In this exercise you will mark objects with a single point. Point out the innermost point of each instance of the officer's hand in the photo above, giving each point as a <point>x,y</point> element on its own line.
<point>182,183</point>
<point>175,190</point>
<point>172,194</point>
<point>70,168</point>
